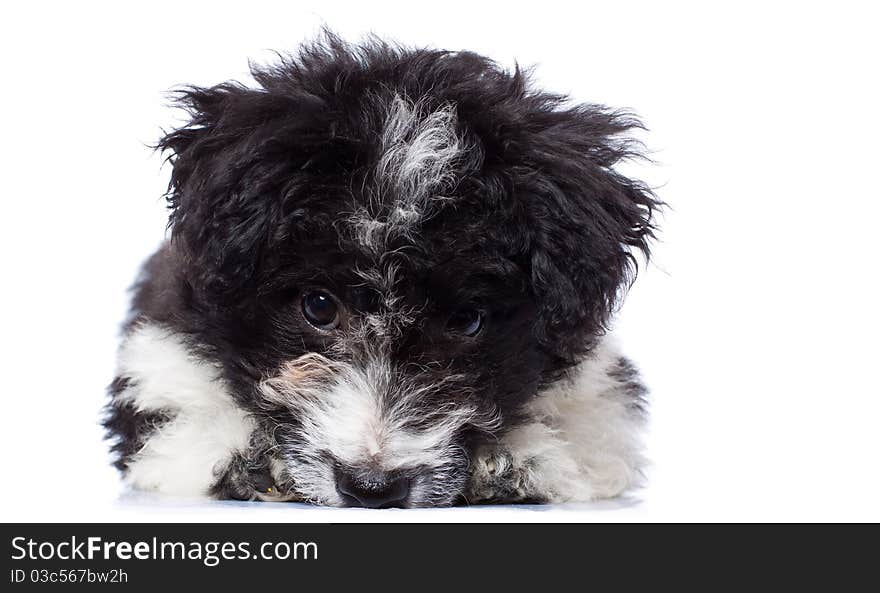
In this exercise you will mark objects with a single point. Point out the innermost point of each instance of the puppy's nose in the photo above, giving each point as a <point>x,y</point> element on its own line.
<point>374,492</point>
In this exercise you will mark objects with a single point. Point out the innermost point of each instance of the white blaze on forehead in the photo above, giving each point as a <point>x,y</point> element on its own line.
<point>419,148</point>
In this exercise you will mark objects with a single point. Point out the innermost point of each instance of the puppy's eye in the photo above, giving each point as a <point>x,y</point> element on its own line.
<point>321,309</point>
<point>467,322</point>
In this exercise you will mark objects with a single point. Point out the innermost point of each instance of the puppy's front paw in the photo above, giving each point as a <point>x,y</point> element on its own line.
<point>244,479</point>
<point>498,477</point>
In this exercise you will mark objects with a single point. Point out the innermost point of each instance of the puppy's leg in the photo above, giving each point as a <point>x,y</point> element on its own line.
<point>129,427</point>
<point>202,428</point>
<point>581,439</point>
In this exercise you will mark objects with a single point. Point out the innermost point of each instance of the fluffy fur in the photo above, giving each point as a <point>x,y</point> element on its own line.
<point>416,188</point>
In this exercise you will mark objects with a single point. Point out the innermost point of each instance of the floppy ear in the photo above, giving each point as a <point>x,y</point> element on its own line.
<point>588,221</point>
<point>225,187</point>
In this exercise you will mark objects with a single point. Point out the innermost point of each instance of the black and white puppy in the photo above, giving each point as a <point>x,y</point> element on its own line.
<point>387,283</point>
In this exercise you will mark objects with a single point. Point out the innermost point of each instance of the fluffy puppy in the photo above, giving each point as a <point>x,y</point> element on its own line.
<point>387,283</point>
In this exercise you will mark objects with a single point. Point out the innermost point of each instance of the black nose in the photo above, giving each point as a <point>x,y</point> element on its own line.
<point>373,491</point>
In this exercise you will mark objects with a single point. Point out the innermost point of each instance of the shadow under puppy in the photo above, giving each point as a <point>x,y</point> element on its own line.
<point>387,283</point>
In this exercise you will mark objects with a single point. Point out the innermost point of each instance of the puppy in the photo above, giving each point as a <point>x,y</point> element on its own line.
<point>387,283</point>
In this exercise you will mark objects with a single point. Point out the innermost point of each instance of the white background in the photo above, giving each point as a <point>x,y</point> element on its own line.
<point>755,325</point>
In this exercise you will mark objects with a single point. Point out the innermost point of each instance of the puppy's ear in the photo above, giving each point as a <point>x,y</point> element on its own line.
<point>224,190</point>
<point>588,222</point>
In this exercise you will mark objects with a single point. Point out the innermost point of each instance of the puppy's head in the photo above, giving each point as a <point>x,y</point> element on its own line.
<point>391,251</point>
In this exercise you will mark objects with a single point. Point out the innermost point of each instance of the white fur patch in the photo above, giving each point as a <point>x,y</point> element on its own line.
<point>583,442</point>
<point>418,153</point>
<point>206,428</point>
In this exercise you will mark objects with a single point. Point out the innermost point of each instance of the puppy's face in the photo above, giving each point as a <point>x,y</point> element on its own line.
<point>410,358</point>
<point>387,280</point>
